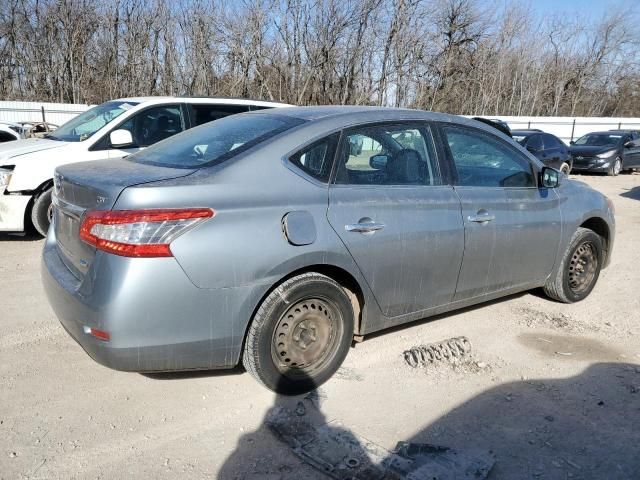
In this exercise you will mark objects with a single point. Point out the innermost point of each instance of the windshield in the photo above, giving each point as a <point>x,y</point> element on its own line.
<point>599,139</point>
<point>214,142</point>
<point>89,122</point>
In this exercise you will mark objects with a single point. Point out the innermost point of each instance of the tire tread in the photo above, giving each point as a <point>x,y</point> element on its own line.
<point>554,287</point>
<point>250,356</point>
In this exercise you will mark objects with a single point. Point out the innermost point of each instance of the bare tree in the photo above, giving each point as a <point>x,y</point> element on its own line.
<point>458,56</point>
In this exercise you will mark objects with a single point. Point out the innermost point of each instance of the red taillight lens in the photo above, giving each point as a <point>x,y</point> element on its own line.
<point>139,233</point>
<point>99,334</point>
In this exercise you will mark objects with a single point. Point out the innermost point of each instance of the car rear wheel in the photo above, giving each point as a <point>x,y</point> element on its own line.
<point>615,168</point>
<point>41,212</point>
<point>300,334</point>
<point>579,270</point>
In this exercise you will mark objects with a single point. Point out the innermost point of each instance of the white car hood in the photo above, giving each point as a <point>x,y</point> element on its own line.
<point>9,150</point>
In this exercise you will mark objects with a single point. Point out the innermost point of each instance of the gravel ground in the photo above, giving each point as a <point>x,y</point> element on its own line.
<point>553,390</point>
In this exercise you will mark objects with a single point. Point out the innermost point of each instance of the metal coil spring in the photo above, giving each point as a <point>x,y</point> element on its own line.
<point>447,350</point>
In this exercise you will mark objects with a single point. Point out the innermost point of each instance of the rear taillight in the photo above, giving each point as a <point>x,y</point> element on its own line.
<point>139,233</point>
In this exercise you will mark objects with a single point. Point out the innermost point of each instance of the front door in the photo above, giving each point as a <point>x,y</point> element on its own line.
<point>512,227</point>
<point>150,126</point>
<point>399,222</point>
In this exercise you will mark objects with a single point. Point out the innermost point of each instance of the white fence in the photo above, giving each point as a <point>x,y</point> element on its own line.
<point>570,128</point>
<point>566,128</point>
<point>57,113</point>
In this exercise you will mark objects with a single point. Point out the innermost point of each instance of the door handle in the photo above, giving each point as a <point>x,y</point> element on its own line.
<point>364,227</point>
<point>481,217</point>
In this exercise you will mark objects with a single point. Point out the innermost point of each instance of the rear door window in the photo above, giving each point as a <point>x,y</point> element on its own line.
<point>550,141</point>
<point>535,142</point>
<point>205,113</point>
<point>388,155</point>
<point>6,137</point>
<point>317,159</point>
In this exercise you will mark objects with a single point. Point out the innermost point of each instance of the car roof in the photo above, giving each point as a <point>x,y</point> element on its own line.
<point>609,132</point>
<point>337,111</point>
<point>211,100</point>
<point>527,131</point>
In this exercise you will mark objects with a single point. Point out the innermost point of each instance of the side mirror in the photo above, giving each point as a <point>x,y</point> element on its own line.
<point>549,177</point>
<point>629,144</point>
<point>378,162</point>
<point>531,149</point>
<point>120,138</point>
<point>572,142</point>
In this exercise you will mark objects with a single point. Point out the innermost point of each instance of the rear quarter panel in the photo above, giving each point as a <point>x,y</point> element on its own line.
<point>244,244</point>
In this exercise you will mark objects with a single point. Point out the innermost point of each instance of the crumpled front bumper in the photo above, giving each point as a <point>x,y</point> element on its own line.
<point>12,212</point>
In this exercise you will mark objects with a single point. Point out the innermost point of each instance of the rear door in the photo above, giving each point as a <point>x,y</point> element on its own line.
<point>398,220</point>
<point>512,228</point>
<point>552,151</point>
<point>632,153</point>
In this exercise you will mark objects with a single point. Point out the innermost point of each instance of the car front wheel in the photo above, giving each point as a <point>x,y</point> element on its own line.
<point>42,212</point>
<point>300,334</point>
<point>616,167</point>
<point>579,270</point>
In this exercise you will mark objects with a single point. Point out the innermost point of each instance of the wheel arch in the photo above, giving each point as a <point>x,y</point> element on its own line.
<point>339,274</point>
<point>600,227</point>
<point>27,223</point>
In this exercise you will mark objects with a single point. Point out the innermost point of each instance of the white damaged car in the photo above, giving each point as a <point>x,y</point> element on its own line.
<point>111,130</point>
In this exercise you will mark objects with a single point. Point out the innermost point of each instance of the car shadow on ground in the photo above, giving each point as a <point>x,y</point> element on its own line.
<point>20,237</point>
<point>632,193</point>
<point>188,374</point>
<point>584,426</point>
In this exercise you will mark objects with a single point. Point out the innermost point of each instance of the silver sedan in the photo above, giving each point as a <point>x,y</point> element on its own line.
<point>272,238</point>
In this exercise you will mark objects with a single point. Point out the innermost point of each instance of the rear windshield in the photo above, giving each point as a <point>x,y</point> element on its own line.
<point>215,142</point>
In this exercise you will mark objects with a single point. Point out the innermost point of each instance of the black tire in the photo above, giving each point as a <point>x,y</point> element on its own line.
<point>615,168</point>
<point>298,313</point>
<point>41,212</point>
<point>574,280</point>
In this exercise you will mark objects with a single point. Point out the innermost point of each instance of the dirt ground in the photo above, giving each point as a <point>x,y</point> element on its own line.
<point>552,390</point>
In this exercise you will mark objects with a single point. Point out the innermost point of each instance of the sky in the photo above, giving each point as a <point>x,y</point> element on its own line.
<point>592,8</point>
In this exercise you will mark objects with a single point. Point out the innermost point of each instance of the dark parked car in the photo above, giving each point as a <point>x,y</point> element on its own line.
<point>496,123</point>
<point>608,152</point>
<point>548,148</point>
<point>266,238</point>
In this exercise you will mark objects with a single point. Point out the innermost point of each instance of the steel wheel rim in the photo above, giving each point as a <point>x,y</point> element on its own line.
<point>304,337</point>
<point>617,166</point>
<point>50,212</point>
<point>582,267</point>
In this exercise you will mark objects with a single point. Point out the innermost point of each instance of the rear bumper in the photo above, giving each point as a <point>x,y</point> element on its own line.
<point>156,318</point>
<point>12,211</point>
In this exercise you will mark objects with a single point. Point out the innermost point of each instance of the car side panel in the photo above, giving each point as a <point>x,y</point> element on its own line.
<point>578,205</point>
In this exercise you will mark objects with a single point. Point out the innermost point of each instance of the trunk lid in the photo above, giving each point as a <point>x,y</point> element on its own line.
<point>94,185</point>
